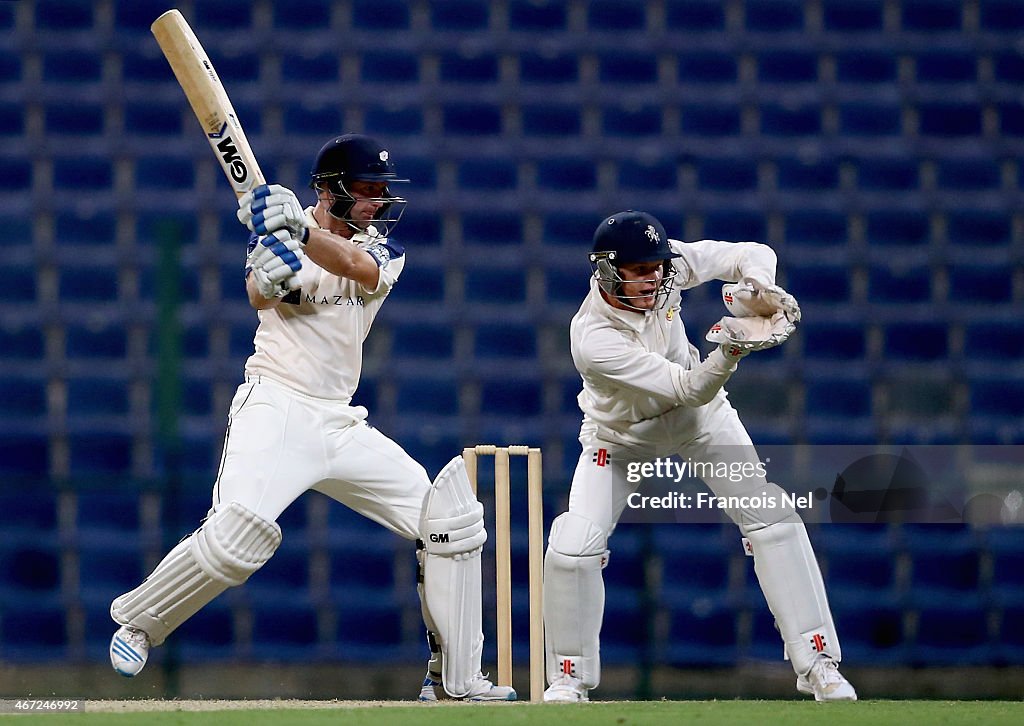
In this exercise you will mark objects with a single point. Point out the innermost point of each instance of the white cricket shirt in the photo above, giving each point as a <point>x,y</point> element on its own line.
<point>313,340</point>
<point>636,367</point>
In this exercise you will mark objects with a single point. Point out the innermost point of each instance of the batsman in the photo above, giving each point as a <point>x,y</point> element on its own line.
<point>318,276</point>
<point>646,394</point>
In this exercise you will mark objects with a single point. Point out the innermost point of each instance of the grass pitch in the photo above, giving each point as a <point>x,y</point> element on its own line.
<point>613,713</point>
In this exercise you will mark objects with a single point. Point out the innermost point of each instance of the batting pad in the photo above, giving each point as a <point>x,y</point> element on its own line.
<point>227,548</point>
<point>574,599</point>
<point>452,528</point>
<point>792,585</point>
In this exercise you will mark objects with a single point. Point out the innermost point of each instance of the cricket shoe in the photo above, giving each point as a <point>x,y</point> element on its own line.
<point>129,651</point>
<point>825,682</point>
<point>427,692</point>
<point>482,689</point>
<point>566,689</point>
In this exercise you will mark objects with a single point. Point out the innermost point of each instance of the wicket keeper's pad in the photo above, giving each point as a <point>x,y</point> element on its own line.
<point>227,548</point>
<point>452,528</point>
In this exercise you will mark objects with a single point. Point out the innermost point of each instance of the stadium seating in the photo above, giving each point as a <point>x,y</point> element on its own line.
<point>881,161</point>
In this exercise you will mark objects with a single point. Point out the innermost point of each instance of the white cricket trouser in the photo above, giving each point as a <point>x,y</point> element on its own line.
<point>784,563</point>
<point>281,443</point>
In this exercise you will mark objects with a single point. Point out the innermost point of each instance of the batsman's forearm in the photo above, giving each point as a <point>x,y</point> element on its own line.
<point>341,257</point>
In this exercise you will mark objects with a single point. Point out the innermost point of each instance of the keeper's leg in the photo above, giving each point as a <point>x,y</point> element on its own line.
<point>784,561</point>
<point>227,548</point>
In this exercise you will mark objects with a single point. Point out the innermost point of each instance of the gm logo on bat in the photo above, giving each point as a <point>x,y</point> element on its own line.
<point>229,155</point>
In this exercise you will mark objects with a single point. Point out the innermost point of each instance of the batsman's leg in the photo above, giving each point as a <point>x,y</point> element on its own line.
<point>227,548</point>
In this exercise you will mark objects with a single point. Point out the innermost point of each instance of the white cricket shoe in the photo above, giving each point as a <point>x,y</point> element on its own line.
<point>483,690</point>
<point>427,692</point>
<point>129,651</point>
<point>566,689</point>
<point>825,682</point>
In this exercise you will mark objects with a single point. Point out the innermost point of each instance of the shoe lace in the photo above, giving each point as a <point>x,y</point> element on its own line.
<point>826,672</point>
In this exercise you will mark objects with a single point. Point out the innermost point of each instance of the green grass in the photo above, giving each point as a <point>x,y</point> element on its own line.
<point>699,713</point>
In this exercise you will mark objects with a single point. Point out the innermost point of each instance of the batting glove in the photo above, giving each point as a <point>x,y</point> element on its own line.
<point>269,208</point>
<point>274,264</point>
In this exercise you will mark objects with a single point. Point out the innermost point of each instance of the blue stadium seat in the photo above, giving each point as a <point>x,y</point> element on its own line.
<point>155,119</point>
<point>833,341</point>
<point>995,399</point>
<point>16,174</point>
<point>362,559</point>
<point>165,173</point>
<point>471,119</point>
<point>862,16</point>
<point>980,284</point>
<point>419,284</point>
<point>616,15</point>
<point>303,14</point>
<point>229,15</point>
<point>793,173</point>
<point>765,641</point>
<point>395,66</point>
<point>1006,550</point>
<point>571,229</point>
<point>838,410</point>
<point>434,396</point>
<point>492,228</point>
<point>385,16</point>
<point>701,633</point>
<point>860,565</point>
<point>945,565</point>
<point>28,515</point>
<point>511,399</point>
<point>546,68</point>
<point>10,67</point>
<point>82,172</point>
<point>902,227</point>
<point>1011,119</point>
<point>695,562</point>
<point>87,396</point>
<point>949,119</point>
<point>489,286</point>
<point>416,339</point>
<point>930,16</point>
<point>787,66</point>
<point>567,285</point>
<point>421,171</point>
<point>12,124</point>
<point>24,454</point>
<point>821,283</point>
<point>946,66</point>
<point>1009,647</point>
<point>627,68</point>
<point>655,175</point>
<point>737,226</point>
<point>459,16</point>
<point>72,67</point>
<point>870,118</point>
<point>101,453</point>
<point>816,228</point>
<point>325,67</point>
<point>864,66</point>
<point>1008,67</point>
<point>135,16</point>
<point>917,341</point>
<point>869,632</point>
<point>469,67</point>
<point>631,121</point>
<point>787,120</point>
<point>319,120</point>
<point>952,635</point>
<point>24,396</point>
<point>1001,16</point>
<point>979,228</point>
<point>369,631</point>
<point>726,173</point>
<point>505,341</point>
<point>209,635</point>
<point>532,15</point>
<point>956,174</point>
<point>707,67</point>
<point>567,174</point>
<point>388,120</point>
<point>82,119</point>
<point>710,119</point>
<point>34,634</point>
<point>285,578</point>
<point>30,571</point>
<point>913,284</point>
<point>92,284</point>
<point>284,631</point>
<point>695,16</point>
<point>23,343</point>
<point>488,173</point>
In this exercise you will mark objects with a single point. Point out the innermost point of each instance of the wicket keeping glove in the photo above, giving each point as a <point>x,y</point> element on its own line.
<point>274,264</point>
<point>269,208</point>
<point>740,336</point>
<point>750,297</point>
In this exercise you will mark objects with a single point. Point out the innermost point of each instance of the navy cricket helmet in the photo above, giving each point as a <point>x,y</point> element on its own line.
<point>630,237</point>
<point>355,157</point>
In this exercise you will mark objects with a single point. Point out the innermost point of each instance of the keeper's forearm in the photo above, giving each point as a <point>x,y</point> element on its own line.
<point>697,386</point>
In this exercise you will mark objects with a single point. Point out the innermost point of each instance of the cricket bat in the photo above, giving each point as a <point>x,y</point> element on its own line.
<point>209,100</point>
